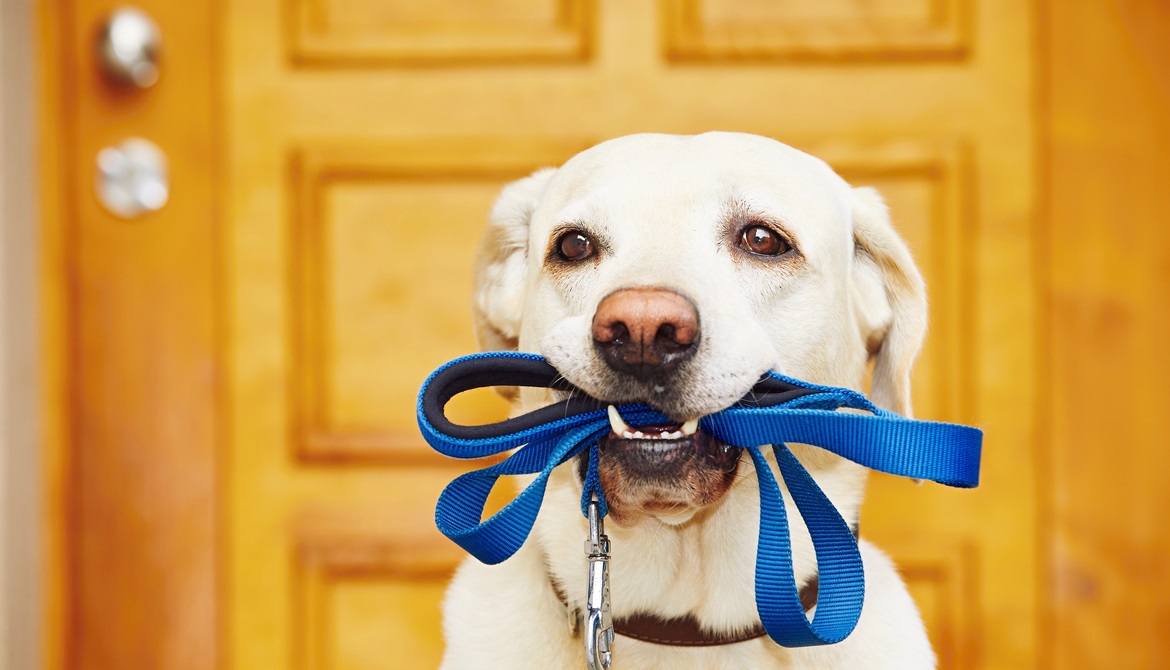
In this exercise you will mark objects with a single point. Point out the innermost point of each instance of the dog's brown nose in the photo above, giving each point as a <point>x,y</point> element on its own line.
<point>645,332</point>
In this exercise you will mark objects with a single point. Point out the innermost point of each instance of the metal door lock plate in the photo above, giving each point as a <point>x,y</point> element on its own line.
<point>132,178</point>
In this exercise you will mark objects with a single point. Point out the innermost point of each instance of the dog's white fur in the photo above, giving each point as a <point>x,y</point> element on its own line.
<point>853,294</point>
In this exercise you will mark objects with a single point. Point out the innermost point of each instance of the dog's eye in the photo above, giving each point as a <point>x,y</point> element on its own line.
<point>574,246</point>
<point>763,241</point>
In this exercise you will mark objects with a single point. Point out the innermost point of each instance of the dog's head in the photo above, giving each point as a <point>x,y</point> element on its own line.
<point>674,271</point>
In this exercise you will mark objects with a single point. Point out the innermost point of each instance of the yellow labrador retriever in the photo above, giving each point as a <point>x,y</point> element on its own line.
<point>674,271</point>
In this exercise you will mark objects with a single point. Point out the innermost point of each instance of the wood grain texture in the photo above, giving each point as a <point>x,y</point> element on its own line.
<point>941,573</point>
<point>331,566</point>
<point>338,34</point>
<point>715,30</point>
<point>949,137</point>
<point>356,316</point>
<point>141,417</point>
<point>1106,255</point>
<point>140,491</point>
<point>928,187</point>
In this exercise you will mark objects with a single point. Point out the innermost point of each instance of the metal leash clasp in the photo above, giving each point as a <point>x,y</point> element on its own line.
<point>598,620</point>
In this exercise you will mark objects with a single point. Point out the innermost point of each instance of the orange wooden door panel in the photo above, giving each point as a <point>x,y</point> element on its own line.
<point>135,399</point>
<point>1107,310</point>
<point>370,286</point>
<point>244,482</point>
<point>366,141</point>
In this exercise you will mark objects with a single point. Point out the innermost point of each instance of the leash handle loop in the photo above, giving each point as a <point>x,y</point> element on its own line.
<point>841,577</point>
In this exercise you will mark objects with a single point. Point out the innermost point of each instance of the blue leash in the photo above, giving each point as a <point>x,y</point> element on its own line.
<point>778,410</point>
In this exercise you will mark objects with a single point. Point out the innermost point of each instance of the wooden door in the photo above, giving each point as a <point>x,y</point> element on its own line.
<point>1105,255</point>
<point>358,145</point>
<point>366,140</point>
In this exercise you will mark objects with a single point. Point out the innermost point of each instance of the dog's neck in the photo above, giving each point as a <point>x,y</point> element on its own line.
<point>702,568</point>
<point>685,631</point>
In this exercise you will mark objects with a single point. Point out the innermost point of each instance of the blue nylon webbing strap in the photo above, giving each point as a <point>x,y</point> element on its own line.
<point>779,410</point>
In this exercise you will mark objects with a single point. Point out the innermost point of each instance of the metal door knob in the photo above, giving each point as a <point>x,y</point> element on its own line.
<point>128,48</point>
<point>132,178</point>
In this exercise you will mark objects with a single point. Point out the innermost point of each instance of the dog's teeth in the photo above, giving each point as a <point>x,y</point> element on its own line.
<point>690,428</point>
<point>616,422</point>
<point>628,434</point>
<point>672,436</point>
<point>638,435</point>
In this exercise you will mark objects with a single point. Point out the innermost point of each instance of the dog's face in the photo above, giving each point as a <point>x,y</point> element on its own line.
<point>675,271</point>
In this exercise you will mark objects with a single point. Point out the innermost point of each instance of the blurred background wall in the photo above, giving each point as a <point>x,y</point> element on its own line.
<point>20,485</point>
<point>230,467</point>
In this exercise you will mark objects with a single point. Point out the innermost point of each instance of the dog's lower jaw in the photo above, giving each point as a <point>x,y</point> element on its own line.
<point>634,511</point>
<point>670,477</point>
<point>673,503</point>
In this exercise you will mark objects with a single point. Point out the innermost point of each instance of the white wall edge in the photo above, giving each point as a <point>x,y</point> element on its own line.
<point>20,462</point>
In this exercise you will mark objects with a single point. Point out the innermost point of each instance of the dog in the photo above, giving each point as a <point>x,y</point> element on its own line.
<point>674,271</point>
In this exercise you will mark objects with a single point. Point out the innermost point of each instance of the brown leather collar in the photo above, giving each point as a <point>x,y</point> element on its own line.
<point>682,631</point>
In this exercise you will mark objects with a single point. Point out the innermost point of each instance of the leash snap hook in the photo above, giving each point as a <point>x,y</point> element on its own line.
<point>599,631</point>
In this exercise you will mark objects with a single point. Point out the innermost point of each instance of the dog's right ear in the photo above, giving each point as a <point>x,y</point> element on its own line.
<point>501,266</point>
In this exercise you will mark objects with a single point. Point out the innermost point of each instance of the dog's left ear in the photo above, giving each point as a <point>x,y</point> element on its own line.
<point>889,300</point>
<point>501,266</point>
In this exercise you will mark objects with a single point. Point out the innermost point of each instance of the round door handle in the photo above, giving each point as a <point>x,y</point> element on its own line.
<point>128,48</point>
<point>132,178</point>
